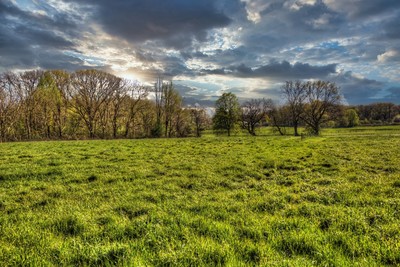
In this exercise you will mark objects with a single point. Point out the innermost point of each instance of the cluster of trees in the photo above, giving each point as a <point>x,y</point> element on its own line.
<point>307,103</point>
<point>378,113</point>
<point>311,104</point>
<point>91,104</point>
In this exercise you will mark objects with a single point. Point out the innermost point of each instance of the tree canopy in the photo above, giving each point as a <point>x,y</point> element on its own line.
<point>226,112</point>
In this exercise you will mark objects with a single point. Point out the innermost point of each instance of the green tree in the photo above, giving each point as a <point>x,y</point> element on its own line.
<point>352,118</point>
<point>227,110</point>
<point>49,104</point>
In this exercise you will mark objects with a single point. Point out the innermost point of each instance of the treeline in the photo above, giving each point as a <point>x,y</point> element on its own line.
<point>378,113</point>
<point>37,105</point>
<point>46,105</point>
<point>308,104</point>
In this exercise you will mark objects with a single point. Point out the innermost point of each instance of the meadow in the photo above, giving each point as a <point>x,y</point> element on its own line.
<point>268,200</point>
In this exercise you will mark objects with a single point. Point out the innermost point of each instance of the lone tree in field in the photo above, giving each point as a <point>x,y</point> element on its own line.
<point>295,95</point>
<point>321,97</point>
<point>226,112</point>
<point>253,112</point>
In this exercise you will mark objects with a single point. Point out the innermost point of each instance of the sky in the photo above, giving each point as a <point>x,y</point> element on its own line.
<point>208,47</point>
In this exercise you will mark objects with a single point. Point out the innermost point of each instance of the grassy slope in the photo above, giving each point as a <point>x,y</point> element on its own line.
<point>276,201</point>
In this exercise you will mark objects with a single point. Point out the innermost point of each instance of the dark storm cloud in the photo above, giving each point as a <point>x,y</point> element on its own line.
<point>394,91</point>
<point>393,95</point>
<point>281,24</point>
<point>392,28</point>
<point>174,66</point>
<point>274,93</point>
<point>25,36</point>
<point>358,90</point>
<point>185,90</point>
<point>278,70</point>
<point>175,22</point>
<point>203,102</point>
<point>233,56</point>
<point>14,52</point>
<point>316,18</point>
<point>11,16</point>
<point>368,8</point>
<point>44,38</point>
<point>192,96</point>
<point>193,54</point>
<point>51,60</point>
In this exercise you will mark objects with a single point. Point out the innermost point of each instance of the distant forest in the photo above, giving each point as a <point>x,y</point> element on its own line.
<point>47,105</point>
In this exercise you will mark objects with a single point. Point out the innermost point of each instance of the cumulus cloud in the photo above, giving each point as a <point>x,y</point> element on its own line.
<point>390,55</point>
<point>253,8</point>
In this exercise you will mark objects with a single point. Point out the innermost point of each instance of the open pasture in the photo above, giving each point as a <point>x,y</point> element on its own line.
<point>214,201</point>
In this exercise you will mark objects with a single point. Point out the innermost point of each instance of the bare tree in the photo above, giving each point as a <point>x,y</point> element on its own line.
<point>147,111</point>
<point>199,118</point>
<point>159,99</point>
<point>26,84</point>
<point>45,98</point>
<point>9,106</point>
<point>172,105</point>
<point>182,122</point>
<point>279,116</point>
<point>253,112</point>
<point>61,80</point>
<point>90,90</point>
<point>321,96</point>
<point>295,95</point>
<point>135,94</point>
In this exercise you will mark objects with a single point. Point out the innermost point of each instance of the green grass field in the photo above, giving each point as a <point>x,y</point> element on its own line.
<point>268,200</point>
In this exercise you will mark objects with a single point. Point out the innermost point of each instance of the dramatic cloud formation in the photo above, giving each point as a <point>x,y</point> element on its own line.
<point>207,47</point>
<point>278,70</point>
<point>175,22</point>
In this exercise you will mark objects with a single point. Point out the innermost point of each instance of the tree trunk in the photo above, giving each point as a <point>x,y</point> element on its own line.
<point>126,134</point>
<point>114,124</point>
<point>295,126</point>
